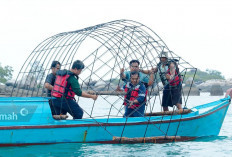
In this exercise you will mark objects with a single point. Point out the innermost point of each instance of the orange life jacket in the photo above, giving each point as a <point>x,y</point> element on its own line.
<point>131,95</point>
<point>177,78</point>
<point>61,87</point>
<point>176,81</point>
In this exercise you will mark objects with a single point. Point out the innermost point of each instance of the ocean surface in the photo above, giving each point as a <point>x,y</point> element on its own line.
<point>209,146</point>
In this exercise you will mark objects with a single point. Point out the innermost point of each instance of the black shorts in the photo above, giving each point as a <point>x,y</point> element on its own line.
<point>171,95</point>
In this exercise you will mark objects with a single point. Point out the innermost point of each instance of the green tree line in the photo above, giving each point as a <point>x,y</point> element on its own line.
<point>202,76</point>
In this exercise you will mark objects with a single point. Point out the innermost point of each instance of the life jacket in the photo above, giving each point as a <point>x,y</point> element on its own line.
<point>132,93</point>
<point>127,78</point>
<point>162,73</point>
<point>176,81</point>
<point>61,87</point>
<point>163,78</point>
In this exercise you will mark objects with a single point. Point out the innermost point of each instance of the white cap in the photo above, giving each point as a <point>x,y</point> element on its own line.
<point>164,54</point>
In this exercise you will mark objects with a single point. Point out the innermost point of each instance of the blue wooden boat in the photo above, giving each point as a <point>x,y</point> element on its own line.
<point>25,116</point>
<point>29,121</point>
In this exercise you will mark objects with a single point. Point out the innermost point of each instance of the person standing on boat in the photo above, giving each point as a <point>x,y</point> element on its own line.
<point>66,87</point>
<point>169,74</point>
<point>134,100</point>
<point>50,80</point>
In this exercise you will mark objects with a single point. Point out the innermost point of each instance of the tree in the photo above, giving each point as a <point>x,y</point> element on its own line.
<point>5,73</point>
<point>202,76</point>
<point>216,73</point>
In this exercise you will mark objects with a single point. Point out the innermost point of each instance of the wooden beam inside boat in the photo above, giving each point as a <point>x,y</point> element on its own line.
<point>111,93</point>
<point>106,92</point>
<point>185,111</point>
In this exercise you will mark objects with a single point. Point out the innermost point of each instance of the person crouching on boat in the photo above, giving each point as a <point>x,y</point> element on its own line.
<point>134,100</point>
<point>49,82</point>
<point>66,87</point>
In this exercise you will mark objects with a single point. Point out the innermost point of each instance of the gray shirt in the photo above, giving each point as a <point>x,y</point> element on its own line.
<point>51,80</point>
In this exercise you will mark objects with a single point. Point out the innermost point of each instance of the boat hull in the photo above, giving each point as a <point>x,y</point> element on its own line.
<point>185,127</point>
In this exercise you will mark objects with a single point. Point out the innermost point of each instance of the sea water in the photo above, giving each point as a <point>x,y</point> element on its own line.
<point>209,146</point>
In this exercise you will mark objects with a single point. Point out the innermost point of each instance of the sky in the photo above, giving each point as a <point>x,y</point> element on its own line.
<point>200,31</point>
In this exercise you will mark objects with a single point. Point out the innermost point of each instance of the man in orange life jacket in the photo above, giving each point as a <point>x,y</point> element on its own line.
<point>134,100</point>
<point>65,88</point>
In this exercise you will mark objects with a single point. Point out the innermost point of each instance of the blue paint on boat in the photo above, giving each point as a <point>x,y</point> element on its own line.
<point>37,125</point>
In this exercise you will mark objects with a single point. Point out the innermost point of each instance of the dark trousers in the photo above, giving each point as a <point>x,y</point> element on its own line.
<point>68,105</point>
<point>136,112</point>
<point>171,95</point>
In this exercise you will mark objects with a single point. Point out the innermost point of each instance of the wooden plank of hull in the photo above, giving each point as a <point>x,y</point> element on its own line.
<point>145,139</point>
<point>161,140</point>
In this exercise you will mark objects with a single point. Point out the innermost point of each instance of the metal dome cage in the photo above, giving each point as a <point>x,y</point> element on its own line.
<point>104,49</point>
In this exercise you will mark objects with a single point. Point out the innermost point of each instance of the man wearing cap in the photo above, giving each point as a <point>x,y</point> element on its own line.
<point>66,87</point>
<point>171,80</point>
<point>169,75</point>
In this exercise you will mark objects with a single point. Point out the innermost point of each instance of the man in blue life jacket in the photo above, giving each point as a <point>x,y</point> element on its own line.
<point>50,80</point>
<point>134,99</point>
<point>146,79</point>
<point>66,87</point>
